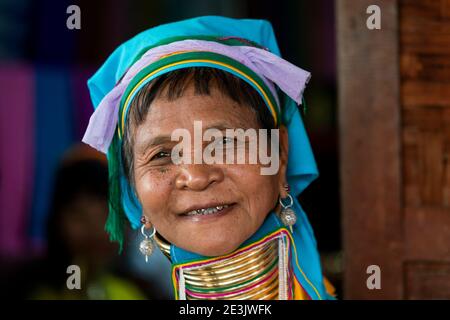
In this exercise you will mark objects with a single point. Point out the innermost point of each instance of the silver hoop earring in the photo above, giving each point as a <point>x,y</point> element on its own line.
<point>287,215</point>
<point>146,246</point>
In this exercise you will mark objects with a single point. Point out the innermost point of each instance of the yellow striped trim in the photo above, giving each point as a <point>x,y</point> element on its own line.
<point>298,266</point>
<point>266,98</point>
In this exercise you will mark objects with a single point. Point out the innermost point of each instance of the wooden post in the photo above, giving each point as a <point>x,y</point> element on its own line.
<point>370,148</point>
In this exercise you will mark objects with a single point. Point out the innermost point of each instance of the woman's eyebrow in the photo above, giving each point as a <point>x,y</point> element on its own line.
<point>223,126</point>
<point>152,142</point>
<point>219,126</point>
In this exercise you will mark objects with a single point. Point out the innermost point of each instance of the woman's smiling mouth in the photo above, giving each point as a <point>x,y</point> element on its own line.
<point>209,211</point>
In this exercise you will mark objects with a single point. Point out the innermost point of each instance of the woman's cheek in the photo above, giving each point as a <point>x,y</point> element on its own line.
<point>154,189</point>
<point>249,177</point>
<point>259,190</point>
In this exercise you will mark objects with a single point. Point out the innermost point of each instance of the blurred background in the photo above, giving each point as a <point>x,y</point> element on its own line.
<point>47,177</point>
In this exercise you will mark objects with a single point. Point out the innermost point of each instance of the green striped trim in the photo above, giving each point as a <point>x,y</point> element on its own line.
<point>179,59</point>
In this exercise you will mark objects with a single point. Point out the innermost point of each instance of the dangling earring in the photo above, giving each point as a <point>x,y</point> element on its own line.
<point>287,215</point>
<point>146,246</point>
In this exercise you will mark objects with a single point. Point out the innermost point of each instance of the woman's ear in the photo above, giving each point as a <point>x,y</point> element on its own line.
<point>148,225</point>
<point>284,153</point>
<point>146,221</point>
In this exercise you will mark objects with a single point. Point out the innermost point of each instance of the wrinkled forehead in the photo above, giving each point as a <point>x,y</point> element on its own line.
<point>193,112</point>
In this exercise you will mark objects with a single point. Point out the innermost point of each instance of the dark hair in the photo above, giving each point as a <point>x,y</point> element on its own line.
<point>172,86</point>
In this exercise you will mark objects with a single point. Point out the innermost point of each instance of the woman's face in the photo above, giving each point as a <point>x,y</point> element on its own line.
<point>168,192</point>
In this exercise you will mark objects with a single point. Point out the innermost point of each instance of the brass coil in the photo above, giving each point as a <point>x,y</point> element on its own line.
<point>233,273</point>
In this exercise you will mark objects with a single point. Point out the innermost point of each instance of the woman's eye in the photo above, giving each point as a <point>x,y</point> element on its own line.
<point>160,155</point>
<point>227,140</point>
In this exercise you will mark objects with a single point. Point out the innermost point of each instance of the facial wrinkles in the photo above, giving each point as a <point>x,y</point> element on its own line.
<point>156,182</point>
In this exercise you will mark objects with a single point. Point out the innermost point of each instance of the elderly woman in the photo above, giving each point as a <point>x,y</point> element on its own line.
<point>232,228</point>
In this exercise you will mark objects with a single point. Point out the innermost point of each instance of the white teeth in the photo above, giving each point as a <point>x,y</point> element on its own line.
<point>206,211</point>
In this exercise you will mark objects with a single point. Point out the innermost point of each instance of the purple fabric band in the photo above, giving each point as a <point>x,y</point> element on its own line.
<point>272,69</point>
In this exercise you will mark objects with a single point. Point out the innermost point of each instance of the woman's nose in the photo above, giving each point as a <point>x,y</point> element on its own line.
<point>198,176</point>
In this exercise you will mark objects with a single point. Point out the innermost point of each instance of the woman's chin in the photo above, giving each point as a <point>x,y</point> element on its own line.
<point>212,248</point>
